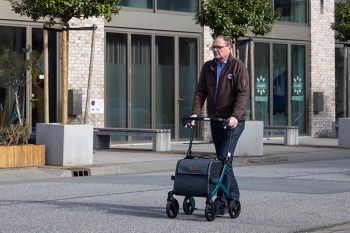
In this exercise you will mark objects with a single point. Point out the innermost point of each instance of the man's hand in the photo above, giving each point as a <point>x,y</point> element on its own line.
<point>232,122</point>
<point>192,123</point>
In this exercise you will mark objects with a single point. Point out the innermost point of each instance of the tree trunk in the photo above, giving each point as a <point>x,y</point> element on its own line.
<point>90,74</point>
<point>46,76</point>
<point>17,108</point>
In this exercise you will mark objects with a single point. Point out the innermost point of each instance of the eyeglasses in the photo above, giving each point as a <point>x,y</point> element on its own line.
<point>217,47</point>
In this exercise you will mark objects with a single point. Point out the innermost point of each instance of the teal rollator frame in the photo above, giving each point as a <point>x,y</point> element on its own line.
<point>199,177</point>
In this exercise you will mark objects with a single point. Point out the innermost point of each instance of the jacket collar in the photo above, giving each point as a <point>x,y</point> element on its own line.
<point>213,62</point>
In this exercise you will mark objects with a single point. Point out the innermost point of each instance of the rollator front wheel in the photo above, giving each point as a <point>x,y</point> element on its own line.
<point>172,208</point>
<point>188,205</point>
<point>210,211</point>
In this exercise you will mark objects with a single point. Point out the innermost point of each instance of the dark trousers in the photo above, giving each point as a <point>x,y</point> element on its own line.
<point>225,141</point>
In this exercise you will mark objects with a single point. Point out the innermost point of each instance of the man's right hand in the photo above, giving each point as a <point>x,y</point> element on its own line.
<point>192,124</point>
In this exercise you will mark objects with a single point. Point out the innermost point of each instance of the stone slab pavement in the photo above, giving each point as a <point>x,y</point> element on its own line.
<point>139,158</point>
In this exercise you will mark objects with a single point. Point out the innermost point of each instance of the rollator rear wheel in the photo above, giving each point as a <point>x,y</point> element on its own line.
<point>172,208</point>
<point>188,205</point>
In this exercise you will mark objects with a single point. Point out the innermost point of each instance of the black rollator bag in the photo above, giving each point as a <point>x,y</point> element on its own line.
<point>192,176</point>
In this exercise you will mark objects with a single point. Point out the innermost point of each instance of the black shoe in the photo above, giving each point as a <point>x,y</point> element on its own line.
<point>220,211</point>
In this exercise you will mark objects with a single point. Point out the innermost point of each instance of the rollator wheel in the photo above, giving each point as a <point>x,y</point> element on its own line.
<point>172,208</point>
<point>210,211</point>
<point>234,208</point>
<point>188,205</point>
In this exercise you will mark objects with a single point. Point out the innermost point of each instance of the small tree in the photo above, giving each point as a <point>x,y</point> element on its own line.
<point>341,23</point>
<point>234,18</point>
<point>61,12</point>
<point>13,68</point>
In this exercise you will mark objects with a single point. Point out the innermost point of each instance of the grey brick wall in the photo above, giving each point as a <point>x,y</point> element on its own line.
<point>79,48</point>
<point>322,67</point>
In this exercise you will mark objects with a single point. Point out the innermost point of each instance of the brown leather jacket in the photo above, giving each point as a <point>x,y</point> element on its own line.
<point>232,94</point>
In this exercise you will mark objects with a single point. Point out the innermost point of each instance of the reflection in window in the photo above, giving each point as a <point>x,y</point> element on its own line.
<point>292,10</point>
<point>116,80</point>
<point>146,4</point>
<point>280,82</point>
<point>179,5</point>
<point>262,74</point>
<point>187,79</point>
<point>15,39</point>
<point>339,83</point>
<point>164,68</point>
<point>298,90</point>
<point>37,83</point>
<point>140,81</point>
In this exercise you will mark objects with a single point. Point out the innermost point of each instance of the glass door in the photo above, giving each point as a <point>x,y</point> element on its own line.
<point>187,80</point>
<point>37,97</point>
<point>280,84</point>
<point>298,88</point>
<point>164,83</point>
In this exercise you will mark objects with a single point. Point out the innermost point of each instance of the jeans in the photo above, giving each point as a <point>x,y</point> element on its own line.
<point>225,142</point>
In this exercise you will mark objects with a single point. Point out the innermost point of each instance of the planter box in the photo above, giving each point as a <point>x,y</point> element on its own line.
<point>251,141</point>
<point>22,156</point>
<point>66,145</point>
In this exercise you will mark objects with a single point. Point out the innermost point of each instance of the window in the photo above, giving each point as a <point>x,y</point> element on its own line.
<point>15,39</point>
<point>292,10</point>
<point>146,4</point>
<point>179,5</point>
<point>298,87</point>
<point>262,82</point>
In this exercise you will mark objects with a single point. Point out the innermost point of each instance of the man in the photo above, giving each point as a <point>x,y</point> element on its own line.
<point>223,83</point>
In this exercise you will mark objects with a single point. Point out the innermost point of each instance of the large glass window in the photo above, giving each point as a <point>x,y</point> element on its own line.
<point>14,38</point>
<point>143,78</point>
<point>140,81</point>
<point>340,84</point>
<point>292,10</point>
<point>179,5</point>
<point>147,4</point>
<point>262,74</point>
<point>164,69</point>
<point>298,90</point>
<point>280,84</point>
<point>116,80</point>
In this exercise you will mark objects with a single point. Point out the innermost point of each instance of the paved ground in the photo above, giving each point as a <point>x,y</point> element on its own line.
<point>133,159</point>
<point>139,158</point>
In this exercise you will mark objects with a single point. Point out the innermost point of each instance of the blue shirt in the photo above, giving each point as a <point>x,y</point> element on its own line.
<point>219,69</point>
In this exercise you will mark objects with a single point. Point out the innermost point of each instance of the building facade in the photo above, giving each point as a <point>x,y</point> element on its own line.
<point>145,63</point>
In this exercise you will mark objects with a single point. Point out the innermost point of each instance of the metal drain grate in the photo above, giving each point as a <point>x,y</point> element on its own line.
<point>81,172</point>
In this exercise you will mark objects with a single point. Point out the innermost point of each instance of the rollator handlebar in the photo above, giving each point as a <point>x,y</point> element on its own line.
<point>186,120</point>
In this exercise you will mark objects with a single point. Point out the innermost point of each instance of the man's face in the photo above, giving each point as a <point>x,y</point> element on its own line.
<point>221,50</point>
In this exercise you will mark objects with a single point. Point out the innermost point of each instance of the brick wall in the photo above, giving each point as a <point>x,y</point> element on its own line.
<point>207,55</point>
<point>79,54</point>
<point>322,67</point>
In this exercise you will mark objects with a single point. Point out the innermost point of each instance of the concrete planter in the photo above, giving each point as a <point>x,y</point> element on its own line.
<point>343,132</point>
<point>66,145</point>
<point>251,141</point>
<point>29,155</point>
